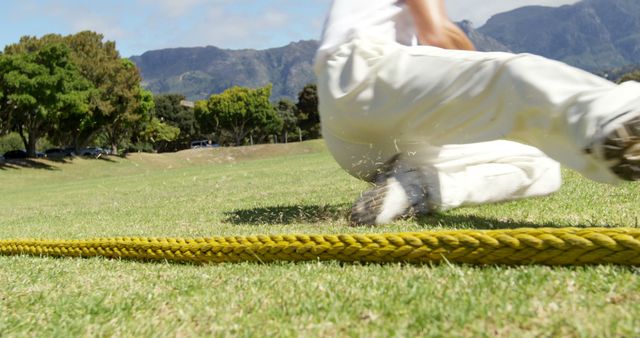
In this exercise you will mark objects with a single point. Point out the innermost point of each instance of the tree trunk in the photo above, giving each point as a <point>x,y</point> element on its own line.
<point>113,142</point>
<point>25,142</point>
<point>31,147</point>
<point>33,126</point>
<point>76,144</point>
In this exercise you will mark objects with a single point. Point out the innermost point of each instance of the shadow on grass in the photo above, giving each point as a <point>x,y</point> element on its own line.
<point>45,164</point>
<point>26,163</point>
<point>287,214</point>
<point>103,158</point>
<point>483,223</point>
<point>324,213</point>
<point>70,159</point>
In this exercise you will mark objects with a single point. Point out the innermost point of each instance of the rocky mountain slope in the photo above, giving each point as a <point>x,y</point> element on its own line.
<point>593,34</point>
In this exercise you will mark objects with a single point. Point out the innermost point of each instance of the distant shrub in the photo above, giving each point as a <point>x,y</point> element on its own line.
<point>144,147</point>
<point>10,141</point>
<point>44,144</point>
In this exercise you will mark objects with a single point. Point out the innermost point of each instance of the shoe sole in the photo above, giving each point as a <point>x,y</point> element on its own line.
<point>366,210</point>
<point>623,145</point>
<point>395,198</point>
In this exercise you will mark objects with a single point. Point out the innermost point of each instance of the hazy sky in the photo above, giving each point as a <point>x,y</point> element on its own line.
<point>141,25</point>
<point>479,11</point>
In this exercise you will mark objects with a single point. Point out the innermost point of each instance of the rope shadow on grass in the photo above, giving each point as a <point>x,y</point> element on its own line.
<point>289,214</point>
<point>473,222</point>
<point>306,214</point>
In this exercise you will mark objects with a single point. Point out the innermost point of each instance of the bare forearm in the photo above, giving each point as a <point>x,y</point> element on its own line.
<point>434,27</point>
<point>429,18</point>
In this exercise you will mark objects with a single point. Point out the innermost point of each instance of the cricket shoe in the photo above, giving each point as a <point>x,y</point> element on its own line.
<point>621,145</point>
<point>399,191</point>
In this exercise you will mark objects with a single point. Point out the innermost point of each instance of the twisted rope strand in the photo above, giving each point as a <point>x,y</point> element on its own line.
<point>549,246</point>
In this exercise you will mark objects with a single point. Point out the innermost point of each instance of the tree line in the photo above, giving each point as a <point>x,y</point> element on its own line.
<point>76,90</point>
<point>235,117</point>
<point>73,90</point>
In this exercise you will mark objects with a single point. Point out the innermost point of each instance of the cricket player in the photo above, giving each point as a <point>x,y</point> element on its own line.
<point>406,103</point>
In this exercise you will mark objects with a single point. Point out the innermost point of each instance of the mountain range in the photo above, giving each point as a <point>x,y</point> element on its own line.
<point>595,35</point>
<point>201,71</point>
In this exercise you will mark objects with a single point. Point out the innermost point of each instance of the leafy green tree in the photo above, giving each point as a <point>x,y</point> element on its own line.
<point>308,115</point>
<point>4,108</point>
<point>40,87</point>
<point>209,125</point>
<point>115,101</point>
<point>10,141</point>
<point>270,129</point>
<point>287,113</point>
<point>64,128</point>
<point>159,133</point>
<point>32,44</point>
<point>129,105</point>
<point>150,132</point>
<point>113,98</point>
<point>239,111</point>
<point>206,122</point>
<point>169,110</point>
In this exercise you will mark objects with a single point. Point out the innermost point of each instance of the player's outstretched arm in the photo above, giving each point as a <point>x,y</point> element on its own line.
<point>434,26</point>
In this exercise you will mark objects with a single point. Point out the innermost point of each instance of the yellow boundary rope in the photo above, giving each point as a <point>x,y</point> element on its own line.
<point>550,246</point>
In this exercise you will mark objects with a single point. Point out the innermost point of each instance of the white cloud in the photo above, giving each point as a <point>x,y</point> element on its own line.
<point>77,18</point>
<point>173,8</point>
<point>229,30</point>
<point>479,11</point>
<point>275,18</point>
<point>89,21</point>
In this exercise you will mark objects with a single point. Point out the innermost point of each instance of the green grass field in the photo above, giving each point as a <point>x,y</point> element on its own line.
<point>283,189</point>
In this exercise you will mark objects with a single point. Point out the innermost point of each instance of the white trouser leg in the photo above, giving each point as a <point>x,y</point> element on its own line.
<point>486,172</point>
<point>458,175</point>
<point>393,96</point>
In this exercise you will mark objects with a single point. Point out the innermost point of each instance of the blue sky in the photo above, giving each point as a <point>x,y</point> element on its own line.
<point>141,25</point>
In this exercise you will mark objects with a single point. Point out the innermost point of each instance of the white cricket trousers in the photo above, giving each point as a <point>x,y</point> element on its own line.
<point>448,113</point>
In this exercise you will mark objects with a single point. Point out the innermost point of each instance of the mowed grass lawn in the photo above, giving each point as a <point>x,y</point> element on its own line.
<point>284,189</point>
